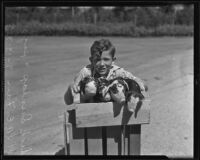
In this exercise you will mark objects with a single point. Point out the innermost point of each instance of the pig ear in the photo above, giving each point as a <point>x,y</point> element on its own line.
<point>127,81</point>
<point>126,85</point>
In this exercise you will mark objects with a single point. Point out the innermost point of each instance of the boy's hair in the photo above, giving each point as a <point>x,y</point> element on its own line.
<point>102,45</point>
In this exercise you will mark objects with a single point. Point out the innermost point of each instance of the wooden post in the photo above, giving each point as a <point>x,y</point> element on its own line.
<point>123,143</point>
<point>125,139</point>
<point>134,139</point>
<point>104,140</point>
<point>77,143</point>
<point>113,140</point>
<point>67,134</point>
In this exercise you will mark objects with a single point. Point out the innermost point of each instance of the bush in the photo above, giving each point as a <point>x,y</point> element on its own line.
<point>100,29</point>
<point>174,30</point>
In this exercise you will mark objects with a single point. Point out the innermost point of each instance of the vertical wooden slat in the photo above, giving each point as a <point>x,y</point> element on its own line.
<point>67,134</point>
<point>68,137</point>
<point>128,139</point>
<point>104,140</point>
<point>86,141</point>
<point>120,147</point>
<point>114,140</point>
<point>77,143</point>
<point>94,137</point>
<point>124,139</point>
<point>135,139</point>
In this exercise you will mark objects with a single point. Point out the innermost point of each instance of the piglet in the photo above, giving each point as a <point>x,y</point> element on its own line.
<point>88,87</point>
<point>118,89</point>
<point>103,94</point>
<point>133,95</point>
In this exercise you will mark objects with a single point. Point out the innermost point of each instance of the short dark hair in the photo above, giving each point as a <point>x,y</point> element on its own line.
<point>102,45</point>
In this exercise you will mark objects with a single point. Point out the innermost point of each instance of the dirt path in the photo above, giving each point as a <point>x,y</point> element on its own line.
<point>165,64</point>
<point>171,129</point>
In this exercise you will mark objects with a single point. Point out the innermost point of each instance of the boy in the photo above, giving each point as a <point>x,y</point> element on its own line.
<point>102,66</point>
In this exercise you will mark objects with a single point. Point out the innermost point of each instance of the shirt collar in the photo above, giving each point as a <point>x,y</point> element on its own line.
<point>112,69</point>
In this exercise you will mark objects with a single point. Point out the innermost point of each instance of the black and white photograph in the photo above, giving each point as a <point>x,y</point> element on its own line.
<point>99,80</point>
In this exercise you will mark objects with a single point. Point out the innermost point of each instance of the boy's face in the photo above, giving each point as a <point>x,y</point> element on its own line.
<point>102,63</point>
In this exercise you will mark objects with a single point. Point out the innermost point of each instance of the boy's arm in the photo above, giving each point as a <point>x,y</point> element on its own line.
<point>76,88</point>
<point>76,84</point>
<point>84,72</point>
<point>126,74</point>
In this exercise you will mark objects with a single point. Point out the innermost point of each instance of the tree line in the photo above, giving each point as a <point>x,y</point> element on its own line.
<point>139,16</point>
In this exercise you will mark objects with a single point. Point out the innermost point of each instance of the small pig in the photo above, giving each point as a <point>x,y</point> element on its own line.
<point>88,87</point>
<point>133,95</point>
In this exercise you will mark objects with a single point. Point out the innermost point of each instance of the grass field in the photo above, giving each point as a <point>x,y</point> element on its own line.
<point>49,65</point>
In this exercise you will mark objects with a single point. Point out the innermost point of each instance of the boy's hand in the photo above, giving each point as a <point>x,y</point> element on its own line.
<point>77,98</point>
<point>76,88</point>
<point>143,87</point>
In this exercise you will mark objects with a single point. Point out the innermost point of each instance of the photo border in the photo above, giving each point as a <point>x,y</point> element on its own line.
<point>9,3</point>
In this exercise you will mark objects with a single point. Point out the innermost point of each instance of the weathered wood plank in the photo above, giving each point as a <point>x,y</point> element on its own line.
<point>110,114</point>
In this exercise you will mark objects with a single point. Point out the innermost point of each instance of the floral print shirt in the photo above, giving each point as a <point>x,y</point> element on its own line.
<point>114,72</point>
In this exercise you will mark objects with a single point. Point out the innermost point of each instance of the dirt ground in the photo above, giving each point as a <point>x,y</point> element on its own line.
<point>39,69</point>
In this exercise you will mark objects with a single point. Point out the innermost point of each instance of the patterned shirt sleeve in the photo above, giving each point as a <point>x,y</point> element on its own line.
<point>84,72</point>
